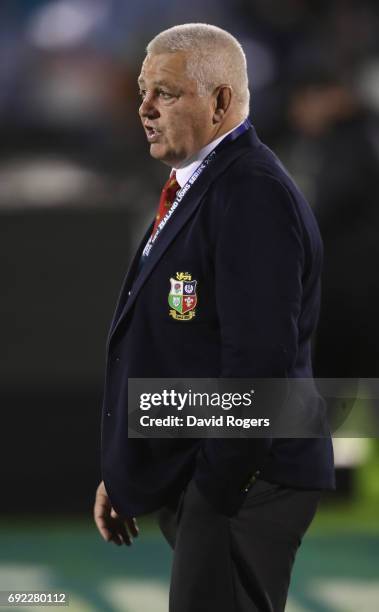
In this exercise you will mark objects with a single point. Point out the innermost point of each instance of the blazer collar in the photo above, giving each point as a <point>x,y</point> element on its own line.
<point>225,157</point>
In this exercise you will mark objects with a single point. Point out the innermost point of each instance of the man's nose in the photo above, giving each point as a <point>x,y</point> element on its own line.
<point>148,108</point>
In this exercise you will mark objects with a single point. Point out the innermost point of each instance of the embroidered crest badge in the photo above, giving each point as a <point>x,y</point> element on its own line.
<point>182,297</point>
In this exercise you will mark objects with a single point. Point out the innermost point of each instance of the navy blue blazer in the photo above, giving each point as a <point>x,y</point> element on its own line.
<point>248,237</point>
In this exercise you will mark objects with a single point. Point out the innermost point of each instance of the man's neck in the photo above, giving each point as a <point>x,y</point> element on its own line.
<point>225,128</point>
<point>188,166</point>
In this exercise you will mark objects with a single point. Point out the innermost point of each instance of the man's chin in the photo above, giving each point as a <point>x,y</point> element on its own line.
<point>159,152</point>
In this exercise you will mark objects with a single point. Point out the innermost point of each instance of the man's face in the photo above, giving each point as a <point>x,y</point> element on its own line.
<point>177,121</point>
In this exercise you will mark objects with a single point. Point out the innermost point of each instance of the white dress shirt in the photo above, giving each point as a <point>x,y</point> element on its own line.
<point>186,171</point>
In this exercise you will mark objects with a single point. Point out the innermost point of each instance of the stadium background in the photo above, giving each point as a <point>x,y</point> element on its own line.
<point>77,187</point>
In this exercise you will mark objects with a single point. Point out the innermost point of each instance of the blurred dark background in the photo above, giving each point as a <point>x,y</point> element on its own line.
<point>77,188</point>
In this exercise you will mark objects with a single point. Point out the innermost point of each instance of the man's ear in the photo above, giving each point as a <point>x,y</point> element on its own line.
<point>223,98</point>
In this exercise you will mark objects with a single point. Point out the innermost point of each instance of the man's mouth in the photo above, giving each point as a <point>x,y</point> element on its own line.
<point>152,133</point>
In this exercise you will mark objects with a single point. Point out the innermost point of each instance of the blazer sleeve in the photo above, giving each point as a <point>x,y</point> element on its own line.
<point>259,262</point>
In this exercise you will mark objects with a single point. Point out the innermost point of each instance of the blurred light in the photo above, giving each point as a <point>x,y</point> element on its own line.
<point>66,23</point>
<point>31,576</point>
<point>69,95</point>
<point>47,182</point>
<point>368,84</point>
<point>341,593</point>
<point>349,452</point>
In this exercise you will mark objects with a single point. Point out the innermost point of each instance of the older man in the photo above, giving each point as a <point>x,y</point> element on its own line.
<point>234,511</point>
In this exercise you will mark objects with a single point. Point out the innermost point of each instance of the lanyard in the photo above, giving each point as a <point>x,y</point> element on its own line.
<point>193,178</point>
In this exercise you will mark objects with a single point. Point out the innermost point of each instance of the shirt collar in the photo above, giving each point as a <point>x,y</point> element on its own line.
<point>185,172</point>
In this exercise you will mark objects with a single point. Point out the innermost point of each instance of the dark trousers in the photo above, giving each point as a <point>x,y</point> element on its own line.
<point>241,563</point>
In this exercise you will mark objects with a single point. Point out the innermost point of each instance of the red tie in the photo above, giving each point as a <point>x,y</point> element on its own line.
<point>167,198</point>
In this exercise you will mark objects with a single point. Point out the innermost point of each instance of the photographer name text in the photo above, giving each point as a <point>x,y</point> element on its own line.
<point>193,421</point>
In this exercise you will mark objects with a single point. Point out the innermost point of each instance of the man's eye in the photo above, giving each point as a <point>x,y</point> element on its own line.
<point>165,94</point>
<point>142,93</point>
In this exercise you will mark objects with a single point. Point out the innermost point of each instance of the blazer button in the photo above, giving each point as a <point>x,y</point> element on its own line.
<point>250,482</point>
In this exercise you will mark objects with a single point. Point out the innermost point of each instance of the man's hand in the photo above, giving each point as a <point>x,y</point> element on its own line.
<point>112,527</point>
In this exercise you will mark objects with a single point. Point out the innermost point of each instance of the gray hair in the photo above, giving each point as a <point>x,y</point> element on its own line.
<point>215,58</point>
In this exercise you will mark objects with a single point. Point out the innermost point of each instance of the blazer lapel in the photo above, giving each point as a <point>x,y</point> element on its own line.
<point>185,210</point>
